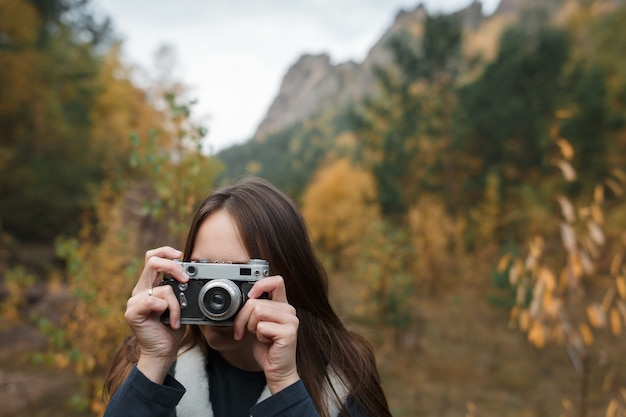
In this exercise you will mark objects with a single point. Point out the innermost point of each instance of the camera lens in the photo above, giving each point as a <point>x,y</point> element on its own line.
<point>219,299</point>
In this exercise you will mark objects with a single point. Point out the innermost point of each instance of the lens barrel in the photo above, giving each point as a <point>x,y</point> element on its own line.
<point>220,299</point>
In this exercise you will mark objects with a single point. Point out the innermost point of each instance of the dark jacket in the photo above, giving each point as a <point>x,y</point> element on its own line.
<point>140,397</point>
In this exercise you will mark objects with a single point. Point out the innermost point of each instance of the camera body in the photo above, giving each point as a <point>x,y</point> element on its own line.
<point>215,292</point>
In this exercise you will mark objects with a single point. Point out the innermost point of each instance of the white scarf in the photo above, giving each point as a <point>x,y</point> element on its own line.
<point>191,372</point>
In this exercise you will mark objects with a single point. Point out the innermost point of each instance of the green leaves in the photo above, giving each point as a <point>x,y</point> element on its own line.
<point>171,160</point>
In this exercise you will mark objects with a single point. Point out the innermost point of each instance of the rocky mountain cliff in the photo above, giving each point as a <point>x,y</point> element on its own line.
<point>313,83</point>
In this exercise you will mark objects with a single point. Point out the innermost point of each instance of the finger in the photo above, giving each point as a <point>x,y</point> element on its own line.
<point>143,305</point>
<point>270,332</point>
<point>172,305</point>
<point>167,266</point>
<point>256,311</point>
<point>274,286</point>
<point>150,277</point>
<point>163,252</point>
<point>154,260</point>
<point>271,312</point>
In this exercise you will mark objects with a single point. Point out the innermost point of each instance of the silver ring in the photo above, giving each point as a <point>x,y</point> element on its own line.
<point>150,292</point>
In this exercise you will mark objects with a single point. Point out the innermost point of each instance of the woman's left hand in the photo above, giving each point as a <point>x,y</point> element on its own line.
<point>275,324</point>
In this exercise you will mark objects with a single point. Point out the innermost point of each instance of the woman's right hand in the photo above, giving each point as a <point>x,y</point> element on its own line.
<point>158,342</point>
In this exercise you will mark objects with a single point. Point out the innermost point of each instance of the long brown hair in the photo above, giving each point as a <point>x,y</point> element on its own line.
<point>272,228</point>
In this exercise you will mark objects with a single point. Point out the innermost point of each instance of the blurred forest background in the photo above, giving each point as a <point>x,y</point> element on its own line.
<point>470,211</point>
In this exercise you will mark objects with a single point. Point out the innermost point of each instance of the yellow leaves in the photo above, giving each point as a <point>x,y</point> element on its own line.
<point>535,304</point>
<point>616,322</point>
<point>613,409</point>
<point>435,236</point>
<point>100,275</point>
<point>568,237</point>
<point>596,214</point>
<point>598,193</point>
<point>17,281</point>
<point>19,22</point>
<point>520,294</point>
<point>587,263</point>
<point>566,148</point>
<point>596,316</point>
<point>607,300</point>
<point>567,209</point>
<point>536,246</point>
<point>564,279</point>
<point>551,305</point>
<point>595,233</point>
<point>537,335</point>
<point>61,360</point>
<point>516,271</point>
<point>543,300</point>
<point>524,320</point>
<point>558,287</point>
<point>547,317</point>
<point>620,284</point>
<point>503,264</point>
<point>586,333</point>
<point>616,263</point>
<point>568,171</point>
<point>535,251</point>
<point>339,206</point>
<point>546,276</point>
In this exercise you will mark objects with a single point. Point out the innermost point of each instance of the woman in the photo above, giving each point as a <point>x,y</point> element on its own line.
<point>286,354</point>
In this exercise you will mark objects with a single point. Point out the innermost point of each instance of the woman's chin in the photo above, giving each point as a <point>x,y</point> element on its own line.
<point>218,337</point>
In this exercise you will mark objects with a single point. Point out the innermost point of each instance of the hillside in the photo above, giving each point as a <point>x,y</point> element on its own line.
<point>313,84</point>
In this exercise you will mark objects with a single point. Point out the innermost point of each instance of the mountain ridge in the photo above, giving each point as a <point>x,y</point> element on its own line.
<point>312,83</point>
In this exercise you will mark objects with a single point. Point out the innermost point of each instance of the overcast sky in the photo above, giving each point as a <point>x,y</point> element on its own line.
<point>233,54</point>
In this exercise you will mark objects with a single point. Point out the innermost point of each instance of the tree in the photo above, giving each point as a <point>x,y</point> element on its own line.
<point>49,78</point>
<point>405,132</point>
<point>339,206</point>
<point>503,116</point>
<point>102,263</point>
<point>170,158</point>
<point>569,294</point>
<point>588,126</point>
<point>119,107</point>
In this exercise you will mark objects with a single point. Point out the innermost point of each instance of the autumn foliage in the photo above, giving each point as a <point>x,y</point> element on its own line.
<point>568,295</point>
<point>340,207</point>
<point>498,154</point>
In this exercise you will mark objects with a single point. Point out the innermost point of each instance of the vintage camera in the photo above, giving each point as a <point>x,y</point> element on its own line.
<point>215,292</point>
